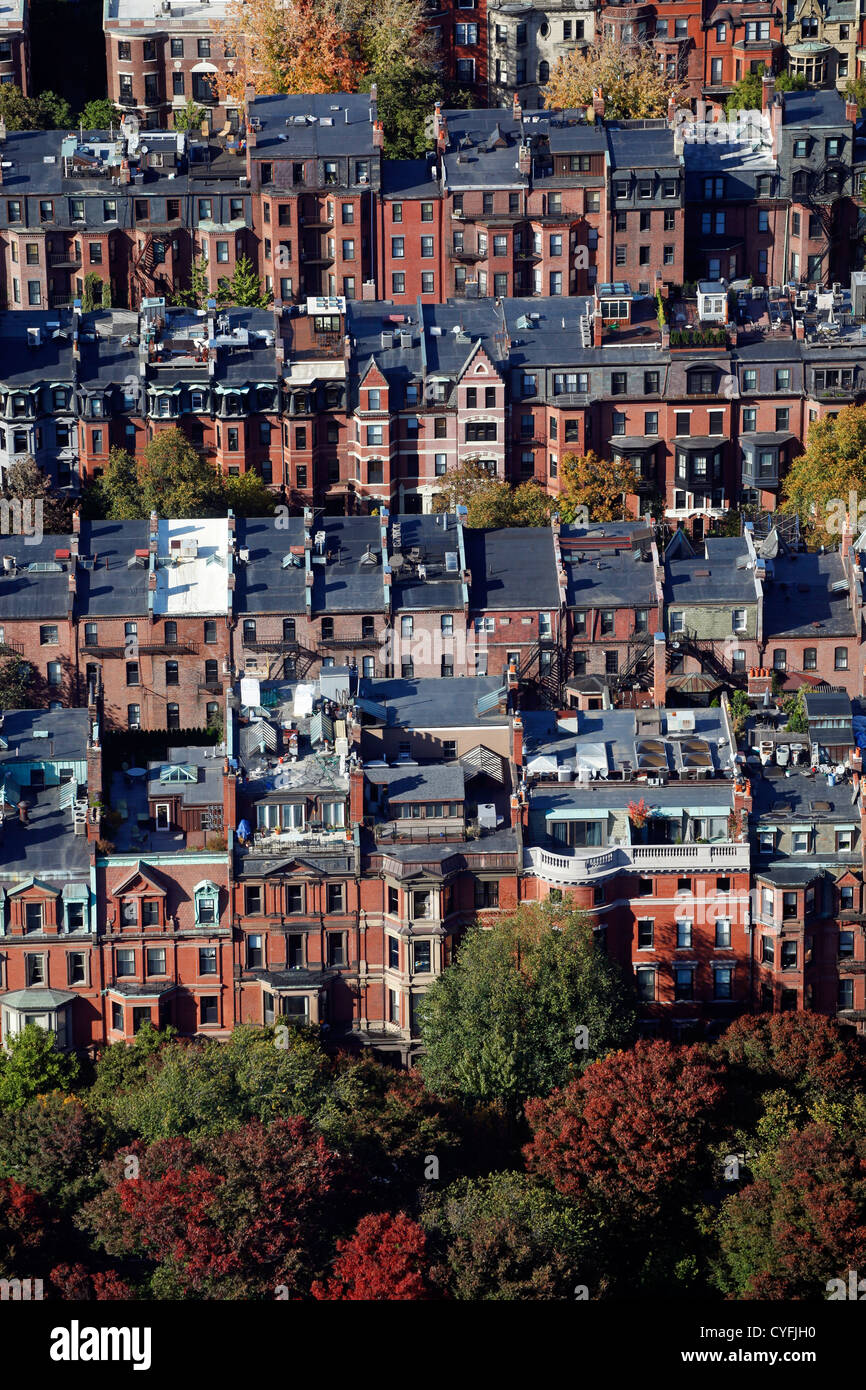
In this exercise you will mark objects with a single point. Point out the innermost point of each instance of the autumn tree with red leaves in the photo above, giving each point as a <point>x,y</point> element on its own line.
<point>234,1215</point>
<point>76,1283</point>
<point>384,1261</point>
<point>801,1223</point>
<point>26,1225</point>
<point>634,1131</point>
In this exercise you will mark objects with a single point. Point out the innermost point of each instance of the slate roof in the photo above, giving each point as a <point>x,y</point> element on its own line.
<point>433,703</point>
<point>430,782</point>
<point>606,579</point>
<point>283,136</point>
<point>514,568</point>
<point>713,578</point>
<point>798,601</point>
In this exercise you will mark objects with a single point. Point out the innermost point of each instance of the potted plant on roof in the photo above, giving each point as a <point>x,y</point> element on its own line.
<point>638,814</point>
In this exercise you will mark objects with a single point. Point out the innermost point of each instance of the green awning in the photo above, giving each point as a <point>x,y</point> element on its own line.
<point>574,813</point>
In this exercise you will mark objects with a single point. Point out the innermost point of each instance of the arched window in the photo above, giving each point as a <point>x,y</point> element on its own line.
<point>544,72</point>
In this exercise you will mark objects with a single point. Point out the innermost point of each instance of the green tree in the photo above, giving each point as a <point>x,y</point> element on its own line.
<point>32,1064</point>
<point>197,292</point>
<point>504,1237</point>
<point>16,682</point>
<point>790,82</point>
<point>740,709</point>
<point>247,494</point>
<point>92,291</point>
<point>116,494</point>
<point>747,94</point>
<point>106,294</point>
<point>48,111</point>
<point>797,722</point>
<point>406,95</point>
<point>24,481</point>
<point>856,90</point>
<point>189,117</point>
<point>100,114</point>
<point>54,1145</point>
<point>175,479</point>
<point>243,288</point>
<point>507,1018</point>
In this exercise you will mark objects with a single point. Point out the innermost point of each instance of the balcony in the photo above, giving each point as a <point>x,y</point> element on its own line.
<point>167,648</point>
<point>580,866</point>
<point>68,259</point>
<point>346,643</point>
<point>465,253</point>
<point>101,649</point>
<point>848,966</point>
<point>276,645</point>
<point>211,687</point>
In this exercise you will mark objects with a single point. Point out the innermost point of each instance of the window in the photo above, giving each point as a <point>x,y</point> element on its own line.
<point>840,658</point>
<point>335,897</point>
<point>738,620</point>
<point>645,934</point>
<point>208,1009</point>
<point>645,980</point>
<point>723,934</point>
<point>207,960</point>
<point>723,982</point>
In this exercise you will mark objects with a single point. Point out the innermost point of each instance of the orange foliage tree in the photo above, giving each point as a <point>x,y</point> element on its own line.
<point>300,46</point>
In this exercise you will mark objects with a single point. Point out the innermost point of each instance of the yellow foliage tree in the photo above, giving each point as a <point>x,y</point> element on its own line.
<point>597,484</point>
<point>288,46</point>
<point>828,480</point>
<point>629,78</point>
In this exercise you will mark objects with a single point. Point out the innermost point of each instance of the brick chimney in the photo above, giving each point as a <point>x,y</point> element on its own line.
<point>230,797</point>
<point>597,326</point>
<point>516,108</point>
<point>356,796</point>
<point>249,96</point>
<point>660,675</point>
<point>524,159</point>
<point>768,90</point>
<point>743,805</point>
<point>440,128</point>
<point>517,742</point>
<point>76,522</point>
<point>378,135</point>
<point>852,111</point>
<point>760,680</point>
<point>598,104</point>
<point>847,538</point>
<point>672,110</point>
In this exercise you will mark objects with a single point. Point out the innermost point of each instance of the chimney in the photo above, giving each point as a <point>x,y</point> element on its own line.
<point>76,522</point>
<point>768,91</point>
<point>799,329</point>
<point>847,538</point>
<point>672,110</point>
<point>23,811</point>
<point>852,111</point>
<point>660,675</point>
<point>598,103</point>
<point>356,796</point>
<point>230,800</point>
<point>440,128</point>
<point>517,109</point>
<point>517,742</point>
<point>743,804</point>
<point>596,330</point>
<point>249,96</point>
<point>524,158</point>
<point>378,135</point>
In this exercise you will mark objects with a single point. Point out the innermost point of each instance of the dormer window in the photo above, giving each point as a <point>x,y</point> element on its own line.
<point>206,898</point>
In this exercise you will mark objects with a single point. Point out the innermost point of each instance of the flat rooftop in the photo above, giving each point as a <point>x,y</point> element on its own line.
<point>197,583</point>
<point>185,13</point>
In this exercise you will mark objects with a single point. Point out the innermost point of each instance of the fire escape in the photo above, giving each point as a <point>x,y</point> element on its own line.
<point>543,668</point>
<point>636,673</point>
<point>709,653</point>
<point>823,192</point>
